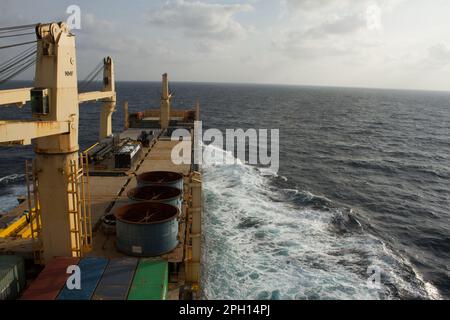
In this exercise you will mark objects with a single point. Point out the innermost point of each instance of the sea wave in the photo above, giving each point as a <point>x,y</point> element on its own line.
<point>11,187</point>
<point>302,246</point>
<point>12,178</point>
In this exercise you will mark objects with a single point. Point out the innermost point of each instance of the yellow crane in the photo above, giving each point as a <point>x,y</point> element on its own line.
<point>60,193</point>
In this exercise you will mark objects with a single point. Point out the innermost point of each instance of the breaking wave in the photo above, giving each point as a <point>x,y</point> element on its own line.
<point>12,178</point>
<point>11,187</point>
<point>262,242</point>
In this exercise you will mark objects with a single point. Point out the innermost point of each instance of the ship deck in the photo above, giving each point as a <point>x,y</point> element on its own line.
<point>109,193</point>
<point>108,188</point>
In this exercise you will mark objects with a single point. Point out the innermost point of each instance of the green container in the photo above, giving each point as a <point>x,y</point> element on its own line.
<point>12,277</point>
<point>150,280</point>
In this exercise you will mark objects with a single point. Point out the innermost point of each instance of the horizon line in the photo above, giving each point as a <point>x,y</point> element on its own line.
<point>274,84</point>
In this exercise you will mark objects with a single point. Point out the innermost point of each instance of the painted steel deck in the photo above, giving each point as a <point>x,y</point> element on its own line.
<point>112,275</point>
<point>91,271</point>
<point>109,193</point>
<point>150,281</point>
<point>50,281</point>
<point>116,281</point>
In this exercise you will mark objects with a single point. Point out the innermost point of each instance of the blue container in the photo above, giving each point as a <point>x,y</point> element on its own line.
<point>161,178</point>
<point>147,229</point>
<point>91,272</point>
<point>116,281</point>
<point>163,194</point>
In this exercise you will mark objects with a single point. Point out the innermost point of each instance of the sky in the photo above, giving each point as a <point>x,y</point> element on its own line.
<point>401,44</point>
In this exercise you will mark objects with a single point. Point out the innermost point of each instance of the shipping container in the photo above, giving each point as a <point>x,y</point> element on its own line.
<point>116,280</point>
<point>150,280</point>
<point>51,280</point>
<point>91,269</point>
<point>12,276</point>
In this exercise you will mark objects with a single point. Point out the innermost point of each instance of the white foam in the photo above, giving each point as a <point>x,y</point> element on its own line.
<point>11,178</point>
<point>258,247</point>
<point>9,200</point>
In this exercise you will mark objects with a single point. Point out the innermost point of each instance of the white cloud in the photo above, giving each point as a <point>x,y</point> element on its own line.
<point>339,25</point>
<point>438,55</point>
<point>201,20</point>
<point>339,42</point>
<point>325,28</point>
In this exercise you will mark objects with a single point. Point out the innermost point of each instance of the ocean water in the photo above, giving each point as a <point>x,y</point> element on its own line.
<point>363,186</point>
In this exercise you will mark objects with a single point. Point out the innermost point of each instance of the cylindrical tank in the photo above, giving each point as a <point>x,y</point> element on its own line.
<point>164,194</point>
<point>147,229</point>
<point>160,178</point>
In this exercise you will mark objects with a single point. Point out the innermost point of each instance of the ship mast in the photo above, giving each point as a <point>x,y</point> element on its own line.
<point>165,103</point>
<point>109,105</point>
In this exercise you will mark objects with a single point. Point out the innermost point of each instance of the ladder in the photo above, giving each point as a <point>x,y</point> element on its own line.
<point>86,196</point>
<point>193,232</point>
<point>79,207</point>
<point>34,210</point>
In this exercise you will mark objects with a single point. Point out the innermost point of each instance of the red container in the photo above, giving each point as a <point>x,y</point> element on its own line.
<point>50,281</point>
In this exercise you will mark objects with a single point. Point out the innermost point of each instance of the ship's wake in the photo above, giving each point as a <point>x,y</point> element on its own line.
<point>262,242</point>
<point>11,187</point>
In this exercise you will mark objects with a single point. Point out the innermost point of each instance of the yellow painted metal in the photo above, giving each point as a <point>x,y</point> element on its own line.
<point>15,96</point>
<point>165,103</point>
<point>86,204</point>
<point>79,209</point>
<point>193,234</point>
<point>95,95</point>
<point>21,228</point>
<point>34,228</point>
<point>126,116</point>
<point>24,131</point>
<point>56,71</point>
<point>59,188</point>
<point>14,228</point>
<point>26,233</point>
<point>107,95</point>
<point>74,210</point>
<point>109,106</point>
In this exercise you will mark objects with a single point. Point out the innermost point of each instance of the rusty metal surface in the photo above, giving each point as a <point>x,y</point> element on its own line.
<point>26,130</point>
<point>161,178</point>
<point>154,193</point>
<point>146,213</point>
<point>95,95</point>
<point>15,96</point>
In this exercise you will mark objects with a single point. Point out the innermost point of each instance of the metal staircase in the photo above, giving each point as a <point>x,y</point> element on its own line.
<point>34,210</point>
<point>79,207</point>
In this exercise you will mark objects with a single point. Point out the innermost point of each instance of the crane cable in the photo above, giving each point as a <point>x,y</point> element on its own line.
<point>18,44</point>
<point>17,67</point>
<point>22,69</point>
<point>17,63</point>
<point>26,26</point>
<point>17,35</point>
<point>9,32</point>
<point>11,62</point>
<point>17,31</point>
<point>91,76</point>
<point>22,61</point>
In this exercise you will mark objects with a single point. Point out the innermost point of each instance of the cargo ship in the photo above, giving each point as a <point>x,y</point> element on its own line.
<point>117,221</point>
